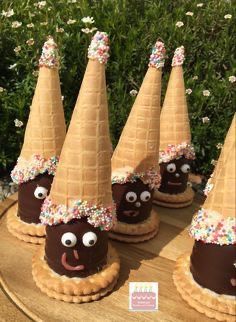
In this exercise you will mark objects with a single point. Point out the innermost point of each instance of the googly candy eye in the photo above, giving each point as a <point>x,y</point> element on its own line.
<point>131,196</point>
<point>68,239</point>
<point>89,239</point>
<point>40,193</point>
<point>171,167</point>
<point>185,168</point>
<point>145,196</point>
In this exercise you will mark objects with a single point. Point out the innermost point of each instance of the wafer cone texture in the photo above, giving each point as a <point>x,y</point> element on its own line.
<point>226,150</point>
<point>174,127</point>
<point>46,130</point>
<point>222,196</point>
<point>84,171</point>
<point>138,146</point>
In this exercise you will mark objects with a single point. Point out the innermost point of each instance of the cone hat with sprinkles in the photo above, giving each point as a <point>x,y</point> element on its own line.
<point>79,210</point>
<point>82,186</point>
<point>45,131</point>
<point>138,148</point>
<point>44,136</point>
<point>175,136</point>
<point>207,278</point>
<point>135,166</point>
<point>215,222</point>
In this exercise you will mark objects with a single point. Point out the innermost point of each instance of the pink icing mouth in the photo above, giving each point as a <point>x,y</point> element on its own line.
<point>131,213</point>
<point>68,266</point>
<point>174,183</point>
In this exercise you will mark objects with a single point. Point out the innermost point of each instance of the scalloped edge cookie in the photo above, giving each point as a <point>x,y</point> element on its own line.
<point>203,300</point>
<point>139,229</point>
<point>26,238</point>
<point>133,238</point>
<point>76,290</point>
<point>21,227</point>
<point>180,200</point>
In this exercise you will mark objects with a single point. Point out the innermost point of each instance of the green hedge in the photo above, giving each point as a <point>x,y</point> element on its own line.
<point>133,27</point>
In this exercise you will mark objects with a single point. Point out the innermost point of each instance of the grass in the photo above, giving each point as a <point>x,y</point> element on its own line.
<point>133,27</point>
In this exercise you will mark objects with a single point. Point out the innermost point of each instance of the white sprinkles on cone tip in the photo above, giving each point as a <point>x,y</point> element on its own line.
<point>99,49</point>
<point>157,57</point>
<point>49,57</point>
<point>179,57</point>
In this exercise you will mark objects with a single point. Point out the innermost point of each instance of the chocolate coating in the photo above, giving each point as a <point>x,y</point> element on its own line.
<point>92,258</point>
<point>29,207</point>
<point>137,209</point>
<point>212,267</point>
<point>174,182</point>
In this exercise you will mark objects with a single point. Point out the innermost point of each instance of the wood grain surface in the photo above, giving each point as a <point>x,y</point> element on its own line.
<point>21,300</point>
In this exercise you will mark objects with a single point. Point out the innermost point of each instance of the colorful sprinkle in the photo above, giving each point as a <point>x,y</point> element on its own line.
<point>176,151</point>
<point>157,57</point>
<point>99,49</point>
<point>211,227</point>
<point>150,177</point>
<point>52,214</point>
<point>178,58</point>
<point>49,57</point>
<point>26,170</point>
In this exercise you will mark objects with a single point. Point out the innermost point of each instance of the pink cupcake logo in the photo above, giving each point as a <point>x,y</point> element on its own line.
<point>143,296</point>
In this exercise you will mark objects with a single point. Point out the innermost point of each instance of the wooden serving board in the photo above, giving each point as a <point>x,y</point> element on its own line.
<point>152,261</point>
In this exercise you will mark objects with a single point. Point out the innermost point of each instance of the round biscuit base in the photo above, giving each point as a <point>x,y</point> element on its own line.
<point>76,290</point>
<point>30,233</point>
<point>135,233</point>
<point>133,238</point>
<point>180,200</point>
<point>218,306</point>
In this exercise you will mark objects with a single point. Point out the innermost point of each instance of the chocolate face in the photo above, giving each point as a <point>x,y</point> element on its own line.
<point>133,201</point>
<point>214,267</point>
<point>174,175</point>
<point>76,249</point>
<point>31,196</point>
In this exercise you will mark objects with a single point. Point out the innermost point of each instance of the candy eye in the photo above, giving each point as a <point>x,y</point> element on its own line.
<point>89,239</point>
<point>68,239</point>
<point>185,168</point>
<point>171,167</point>
<point>145,196</point>
<point>40,192</point>
<point>131,196</point>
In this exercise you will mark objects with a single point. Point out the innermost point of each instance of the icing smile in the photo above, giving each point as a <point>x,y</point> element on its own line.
<point>131,213</point>
<point>174,183</point>
<point>68,266</point>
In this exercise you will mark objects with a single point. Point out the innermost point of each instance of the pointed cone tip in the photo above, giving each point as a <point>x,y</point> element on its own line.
<point>49,57</point>
<point>157,57</point>
<point>99,47</point>
<point>179,56</point>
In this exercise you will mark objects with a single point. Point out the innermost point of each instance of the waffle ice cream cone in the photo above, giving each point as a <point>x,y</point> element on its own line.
<point>222,196</point>
<point>138,147</point>
<point>230,137</point>
<point>83,172</point>
<point>174,120</point>
<point>45,131</point>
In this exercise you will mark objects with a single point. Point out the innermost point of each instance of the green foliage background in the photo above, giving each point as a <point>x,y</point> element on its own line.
<point>133,27</point>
